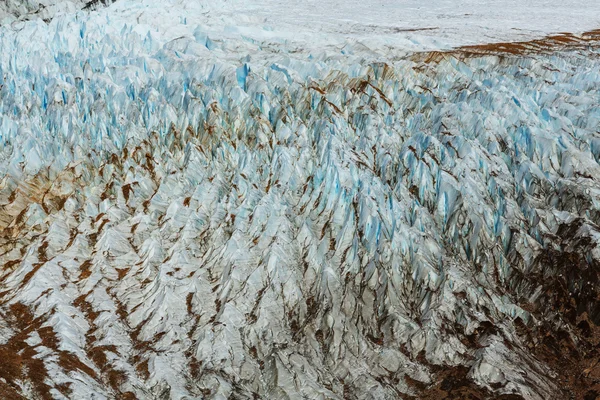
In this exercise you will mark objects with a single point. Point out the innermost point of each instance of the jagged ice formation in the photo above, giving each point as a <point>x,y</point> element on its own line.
<point>176,222</point>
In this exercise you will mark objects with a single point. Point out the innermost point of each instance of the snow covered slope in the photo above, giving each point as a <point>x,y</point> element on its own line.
<point>191,208</point>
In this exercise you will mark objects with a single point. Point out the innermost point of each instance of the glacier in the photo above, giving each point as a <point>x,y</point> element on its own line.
<point>193,211</point>
<point>14,11</point>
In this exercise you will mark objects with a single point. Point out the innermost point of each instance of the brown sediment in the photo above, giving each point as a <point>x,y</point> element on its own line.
<point>20,362</point>
<point>568,339</point>
<point>548,44</point>
<point>142,369</point>
<point>453,383</point>
<point>85,269</point>
<point>98,353</point>
<point>122,272</point>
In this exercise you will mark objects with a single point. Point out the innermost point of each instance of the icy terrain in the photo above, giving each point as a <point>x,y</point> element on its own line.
<point>192,207</point>
<point>385,27</point>
<point>12,11</point>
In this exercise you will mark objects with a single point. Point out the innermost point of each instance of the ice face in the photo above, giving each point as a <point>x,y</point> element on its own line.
<point>180,222</point>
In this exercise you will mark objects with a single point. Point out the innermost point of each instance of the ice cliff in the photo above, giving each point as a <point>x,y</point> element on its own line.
<point>195,218</point>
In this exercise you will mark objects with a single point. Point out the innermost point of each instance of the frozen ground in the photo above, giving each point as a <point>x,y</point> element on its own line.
<point>244,200</point>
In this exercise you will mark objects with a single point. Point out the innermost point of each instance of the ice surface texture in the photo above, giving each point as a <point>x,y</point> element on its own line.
<point>179,223</point>
<point>20,10</point>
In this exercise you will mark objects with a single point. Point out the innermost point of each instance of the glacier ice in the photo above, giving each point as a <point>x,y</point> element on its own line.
<point>180,222</point>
